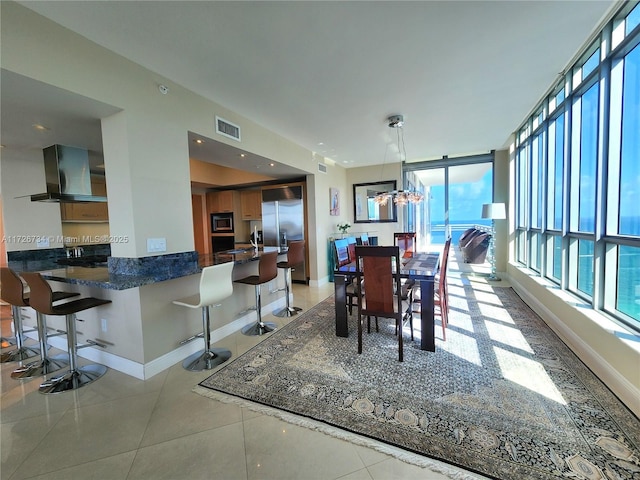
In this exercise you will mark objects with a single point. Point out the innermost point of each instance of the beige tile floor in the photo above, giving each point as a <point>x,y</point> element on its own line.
<point>123,428</point>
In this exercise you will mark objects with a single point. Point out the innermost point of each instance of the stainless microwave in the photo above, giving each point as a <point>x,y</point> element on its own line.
<point>221,222</point>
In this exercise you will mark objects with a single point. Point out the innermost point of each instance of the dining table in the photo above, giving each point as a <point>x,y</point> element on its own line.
<point>421,267</point>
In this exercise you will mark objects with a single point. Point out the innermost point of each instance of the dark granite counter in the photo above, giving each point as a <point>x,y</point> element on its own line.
<point>104,277</point>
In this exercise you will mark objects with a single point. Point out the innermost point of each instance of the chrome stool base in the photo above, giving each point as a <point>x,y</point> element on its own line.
<point>42,367</point>
<point>206,360</point>
<point>259,328</point>
<point>19,354</point>
<point>287,312</point>
<point>72,380</point>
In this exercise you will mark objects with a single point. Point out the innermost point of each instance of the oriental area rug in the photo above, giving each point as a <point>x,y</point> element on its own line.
<point>503,396</point>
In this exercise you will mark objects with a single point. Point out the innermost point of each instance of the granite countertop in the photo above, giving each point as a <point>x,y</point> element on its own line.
<point>99,276</point>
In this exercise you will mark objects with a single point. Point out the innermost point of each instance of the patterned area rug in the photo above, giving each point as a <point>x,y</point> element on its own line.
<point>503,396</point>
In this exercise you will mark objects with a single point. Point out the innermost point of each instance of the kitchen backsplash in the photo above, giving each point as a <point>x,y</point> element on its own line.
<point>85,233</point>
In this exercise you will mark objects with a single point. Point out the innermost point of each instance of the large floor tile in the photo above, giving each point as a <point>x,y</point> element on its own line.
<point>180,415</point>
<point>19,440</point>
<point>214,454</point>
<point>90,433</point>
<point>111,468</point>
<point>280,450</point>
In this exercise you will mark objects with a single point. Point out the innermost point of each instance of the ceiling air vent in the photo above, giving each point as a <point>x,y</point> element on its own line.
<point>228,129</point>
<point>322,168</point>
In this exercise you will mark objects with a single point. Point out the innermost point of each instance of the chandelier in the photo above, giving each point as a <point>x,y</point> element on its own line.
<point>399,197</point>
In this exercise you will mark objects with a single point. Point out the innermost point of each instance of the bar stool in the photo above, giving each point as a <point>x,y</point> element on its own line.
<point>14,294</point>
<point>267,271</point>
<point>295,256</point>
<point>215,286</point>
<point>41,299</point>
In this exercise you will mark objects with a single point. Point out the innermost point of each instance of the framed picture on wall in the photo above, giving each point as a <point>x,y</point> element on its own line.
<point>334,201</point>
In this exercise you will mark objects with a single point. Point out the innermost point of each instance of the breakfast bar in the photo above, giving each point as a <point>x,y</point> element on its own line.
<point>141,328</point>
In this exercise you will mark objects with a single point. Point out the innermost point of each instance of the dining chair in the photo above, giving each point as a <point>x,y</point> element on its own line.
<point>364,239</point>
<point>406,241</point>
<point>344,255</point>
<point>379,268</point>
<point>351,248</point>
<point>341,252</point>
<point>441,295</point>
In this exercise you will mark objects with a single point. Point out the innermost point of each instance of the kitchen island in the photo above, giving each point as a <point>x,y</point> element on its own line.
<point>141,327</point>
<point>101,276</point>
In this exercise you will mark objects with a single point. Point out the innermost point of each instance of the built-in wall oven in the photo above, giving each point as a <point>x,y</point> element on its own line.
<point>222,223</point>
<point>222,243</point>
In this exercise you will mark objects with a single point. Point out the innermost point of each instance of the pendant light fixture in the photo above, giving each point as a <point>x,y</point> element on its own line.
<point>399,197</point>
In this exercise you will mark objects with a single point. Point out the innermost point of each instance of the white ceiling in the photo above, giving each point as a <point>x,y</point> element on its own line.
<point>326,75</point>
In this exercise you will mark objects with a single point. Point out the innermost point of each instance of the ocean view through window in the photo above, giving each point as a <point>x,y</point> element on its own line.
<point>589,233</point>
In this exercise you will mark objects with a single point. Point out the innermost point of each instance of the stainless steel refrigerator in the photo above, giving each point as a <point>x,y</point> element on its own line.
<point>283,221</point>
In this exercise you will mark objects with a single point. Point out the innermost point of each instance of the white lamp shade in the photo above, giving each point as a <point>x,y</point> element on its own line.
<point>494,211</point>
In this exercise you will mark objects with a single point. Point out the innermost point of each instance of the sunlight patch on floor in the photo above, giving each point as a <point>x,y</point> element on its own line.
<point>462,346</point>
<point>527,373</point>
<point>507,335</point>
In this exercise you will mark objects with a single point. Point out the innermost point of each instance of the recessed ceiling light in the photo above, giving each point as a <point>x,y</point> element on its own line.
<point>199,141</point>
<point>272,164</point>
<point>42,128</point>
<point>242,155</point>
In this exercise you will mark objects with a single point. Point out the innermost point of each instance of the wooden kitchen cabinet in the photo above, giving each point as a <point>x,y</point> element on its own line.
<point>218,202</point>
<point>84,212</point>
<point>88,212</point>
<point>251,202</point>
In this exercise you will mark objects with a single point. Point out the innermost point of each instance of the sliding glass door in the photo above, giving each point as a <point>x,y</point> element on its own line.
<point>455,190</point>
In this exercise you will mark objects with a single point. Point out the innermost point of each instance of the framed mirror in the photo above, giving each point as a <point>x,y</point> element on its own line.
<point>366,210</point>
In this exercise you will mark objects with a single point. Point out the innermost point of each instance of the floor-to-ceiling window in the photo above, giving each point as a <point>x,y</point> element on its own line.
<point>455,190</point>
<point>577,175</point>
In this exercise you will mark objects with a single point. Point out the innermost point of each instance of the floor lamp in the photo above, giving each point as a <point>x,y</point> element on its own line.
<point>493,211</point>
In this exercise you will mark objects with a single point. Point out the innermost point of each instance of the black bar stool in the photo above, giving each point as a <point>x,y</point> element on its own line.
<point>267,271</point>
<point>41,300</point>
<point>215,286</point>
<point>14,294</point>
<point>295,257</point>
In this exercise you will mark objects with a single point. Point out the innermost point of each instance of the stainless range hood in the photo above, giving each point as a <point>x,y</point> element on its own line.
<point>68,176</point>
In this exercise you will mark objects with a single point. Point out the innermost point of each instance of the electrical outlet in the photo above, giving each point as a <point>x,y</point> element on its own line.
<point>103,324</point>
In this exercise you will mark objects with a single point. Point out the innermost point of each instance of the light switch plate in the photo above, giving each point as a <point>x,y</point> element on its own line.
<point>156,245</point>
<point>42,242</point>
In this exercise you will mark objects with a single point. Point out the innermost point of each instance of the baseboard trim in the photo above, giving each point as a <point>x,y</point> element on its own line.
<point>618,384</point>
<point>148,370</point>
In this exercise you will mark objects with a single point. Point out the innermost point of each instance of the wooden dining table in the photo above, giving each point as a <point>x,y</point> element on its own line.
<point>419,266</point>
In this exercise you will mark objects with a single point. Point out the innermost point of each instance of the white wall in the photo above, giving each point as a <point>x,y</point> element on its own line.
<point>384,231</point>
<point>24,220</point>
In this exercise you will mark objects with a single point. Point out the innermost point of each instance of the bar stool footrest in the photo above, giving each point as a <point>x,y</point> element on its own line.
<point>72,380</point>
